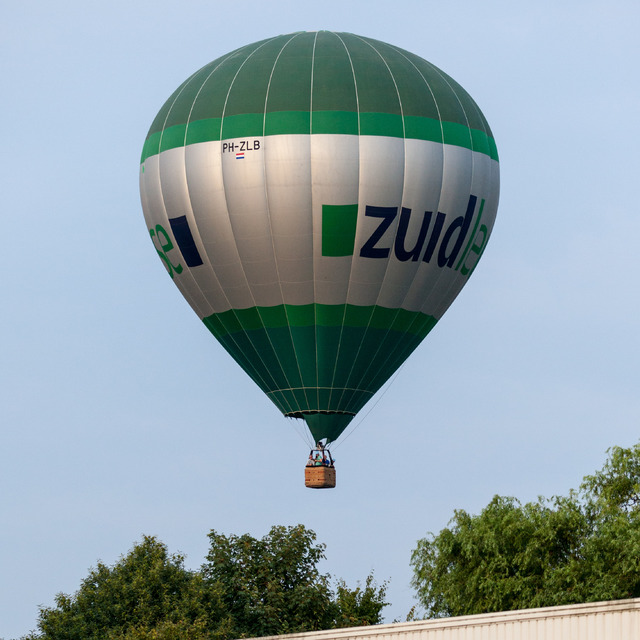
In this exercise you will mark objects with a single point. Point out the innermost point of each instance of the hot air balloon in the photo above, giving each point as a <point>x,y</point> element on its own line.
<point>319,199</point>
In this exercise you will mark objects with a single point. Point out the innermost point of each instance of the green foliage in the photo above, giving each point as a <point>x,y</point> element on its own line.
<point>581,548</point>
<point>272,585</point>
<point>616,487</point>
<point>360,606</point>
<point>146,589</point>
<point>246,588</point>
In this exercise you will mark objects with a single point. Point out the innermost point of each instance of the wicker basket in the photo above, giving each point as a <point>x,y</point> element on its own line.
<point>320,477</point>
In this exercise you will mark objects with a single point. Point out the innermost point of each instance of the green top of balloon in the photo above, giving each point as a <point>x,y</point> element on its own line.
<point>319,82</point>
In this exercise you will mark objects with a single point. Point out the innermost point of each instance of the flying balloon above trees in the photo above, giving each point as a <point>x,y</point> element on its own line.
<point>320,199</point>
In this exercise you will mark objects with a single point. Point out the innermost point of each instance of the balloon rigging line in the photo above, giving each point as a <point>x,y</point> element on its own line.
<point>302,433</point>
<point>373,406</point>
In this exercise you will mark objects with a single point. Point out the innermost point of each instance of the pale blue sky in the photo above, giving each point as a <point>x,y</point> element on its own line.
<point>121,416</point>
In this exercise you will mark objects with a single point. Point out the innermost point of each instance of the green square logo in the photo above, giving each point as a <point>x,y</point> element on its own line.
<point>339,229</point>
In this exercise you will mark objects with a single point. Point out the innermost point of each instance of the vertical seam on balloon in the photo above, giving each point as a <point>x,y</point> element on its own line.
<point>186,179</point>
<point>417,319</point>
<point>442,272</point>
<point>494,163</point>
<point>344,313</point>
<point>191,300</point>
<point>275,256</point>
<point>392,356</point>
<point>275,384</point>
<point>444,155</point>
<point>386,271</point>
<point>313,252</point>
<point>256,350</point>
<point>397,312</point>
<point>188,297</point>
<point>257,376</point>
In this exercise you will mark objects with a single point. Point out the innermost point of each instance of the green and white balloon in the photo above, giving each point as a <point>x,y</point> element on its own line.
<point>320,199</point>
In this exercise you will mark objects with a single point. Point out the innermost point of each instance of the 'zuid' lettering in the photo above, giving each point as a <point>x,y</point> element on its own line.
<point>388,214</point>
<point>432,240</point>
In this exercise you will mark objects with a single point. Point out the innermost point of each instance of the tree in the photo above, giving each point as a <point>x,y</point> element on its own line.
<point>360,606</point>
<point>273,586</point>
<point>147,589</point>
<point>246,587</point>
<point>581,548</point>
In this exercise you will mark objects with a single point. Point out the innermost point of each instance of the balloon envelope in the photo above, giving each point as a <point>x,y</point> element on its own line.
<point>319,199</point>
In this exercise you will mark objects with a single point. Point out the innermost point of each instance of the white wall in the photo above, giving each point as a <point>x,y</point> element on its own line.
<point>615,620</point>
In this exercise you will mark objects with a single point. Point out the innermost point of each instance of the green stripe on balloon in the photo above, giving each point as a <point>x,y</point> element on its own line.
<point>377,317</point>
<point>374,124</point>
